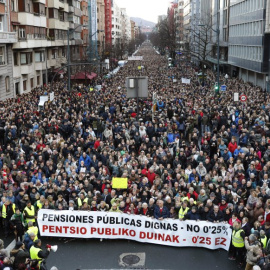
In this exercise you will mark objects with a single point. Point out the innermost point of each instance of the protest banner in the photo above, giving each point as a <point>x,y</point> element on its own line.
<point>185,81</point>
<point>170,232</point>
<point>119,183</point>
<point>135,58</point>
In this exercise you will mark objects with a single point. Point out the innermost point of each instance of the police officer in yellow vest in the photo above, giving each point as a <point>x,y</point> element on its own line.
<point>36,253</point>
<point>8,209</point>
<point>183,210</point>
<point>32,229</point>
<point>81,200</point>
<point>29,212</point>
<point>238,244</point>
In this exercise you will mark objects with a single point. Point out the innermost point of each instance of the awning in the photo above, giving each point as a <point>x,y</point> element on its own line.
<point>59,71</point>
<point>84,76</point>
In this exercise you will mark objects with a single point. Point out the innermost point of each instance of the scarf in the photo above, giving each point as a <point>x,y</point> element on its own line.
<point>20,216</point>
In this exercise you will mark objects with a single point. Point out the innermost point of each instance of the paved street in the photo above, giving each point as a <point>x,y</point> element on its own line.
<point>93,254</point>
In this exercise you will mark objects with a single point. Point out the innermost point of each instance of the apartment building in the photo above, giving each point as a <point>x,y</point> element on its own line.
<point>180,22</point>
<point>125,25</point>
<point>101,26</point>
<point>42,29</point>
<point>84,32</point>
<point>116,23</point>
<point>248,41</point>
<point>7,38</point>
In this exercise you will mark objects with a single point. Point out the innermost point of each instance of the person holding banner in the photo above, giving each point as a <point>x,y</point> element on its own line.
<point>161,211</point>
<point>238,244</point>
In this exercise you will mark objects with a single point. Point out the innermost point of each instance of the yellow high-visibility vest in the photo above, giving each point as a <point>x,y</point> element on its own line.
<point>80,202</point>
<point>183,212</point>
<point>34,230</point>
<point>264,241</point>
<point>237,240</point>
<point>30,212</point>
<point>4,210</point>
<point>34,254</point>
<point>39,204</point>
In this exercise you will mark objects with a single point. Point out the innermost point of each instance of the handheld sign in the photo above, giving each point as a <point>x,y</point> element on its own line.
<point>119,183</point>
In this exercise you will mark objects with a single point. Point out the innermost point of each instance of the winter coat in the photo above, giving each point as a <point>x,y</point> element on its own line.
<point>192,216</point>
<point>252,252</point>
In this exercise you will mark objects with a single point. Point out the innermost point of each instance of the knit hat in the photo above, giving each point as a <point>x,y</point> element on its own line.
<point>212,194</point>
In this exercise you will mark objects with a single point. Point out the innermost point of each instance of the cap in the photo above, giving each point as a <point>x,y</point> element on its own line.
<point>71,201</point>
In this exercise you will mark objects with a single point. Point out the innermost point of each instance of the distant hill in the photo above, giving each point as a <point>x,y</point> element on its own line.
<point>143,23</point>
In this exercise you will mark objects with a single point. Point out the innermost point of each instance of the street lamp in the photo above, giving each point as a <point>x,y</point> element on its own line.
<point>70,31</point>
<point>217,31</point>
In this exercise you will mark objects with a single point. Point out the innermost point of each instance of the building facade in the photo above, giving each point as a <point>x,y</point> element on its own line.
<point>248,41</point>
<point>7,38</point>
<point>43,28</point>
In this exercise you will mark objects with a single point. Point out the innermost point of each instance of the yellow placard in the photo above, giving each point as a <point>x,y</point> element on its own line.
<point>119,182</point>
<point>139,67</point>
<point>91,89</point>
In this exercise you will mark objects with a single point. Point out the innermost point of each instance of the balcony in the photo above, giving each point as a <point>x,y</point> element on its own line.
<point>8,37</point>
<point>26,69</point>
<point>56,24</point>
<point>37,20</point>
<point>71,25</point>
<point>71,9</point>
<point>40,1</point>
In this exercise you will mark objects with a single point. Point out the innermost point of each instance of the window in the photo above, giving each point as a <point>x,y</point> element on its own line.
<point>15,57</point>
<point>54,54</point>
<point>26,58</point>
<point>2,55</point>
<point>1,23</point>
<point>39,57</point>
<point>24,85</point>
<point>61,16</point>
<point>22,33</point>
<point>7,81</point>
<point>32,82</point>
<point>38,80</point>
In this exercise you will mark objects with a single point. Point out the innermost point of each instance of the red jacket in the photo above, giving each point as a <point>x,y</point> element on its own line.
<point>195,195</point>
<point>151,177</point>
<point>232,147</point>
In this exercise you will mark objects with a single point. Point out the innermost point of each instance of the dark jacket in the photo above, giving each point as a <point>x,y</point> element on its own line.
<point>20,256</point>
<point>212,217</point>
<point>192,216</point>
<point>28,241</point>
<point>164,214</point>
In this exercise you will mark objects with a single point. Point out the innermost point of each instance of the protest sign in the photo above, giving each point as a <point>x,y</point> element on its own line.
<point>170,232</point>
<point>119,182</point>
<point>186,81</point>
<point>135,58</point>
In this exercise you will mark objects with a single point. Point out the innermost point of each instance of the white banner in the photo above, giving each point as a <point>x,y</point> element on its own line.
<point>184,80</point>
<point>135,58</point>
<point>170,232</point>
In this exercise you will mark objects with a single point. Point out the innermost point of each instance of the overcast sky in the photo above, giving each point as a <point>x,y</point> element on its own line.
<point>145,9</point>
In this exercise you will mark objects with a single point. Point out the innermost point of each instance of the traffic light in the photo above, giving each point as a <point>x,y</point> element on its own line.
<point>216,88</point>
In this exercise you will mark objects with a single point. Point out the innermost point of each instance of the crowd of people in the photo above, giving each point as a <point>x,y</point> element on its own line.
<point>192,155</point>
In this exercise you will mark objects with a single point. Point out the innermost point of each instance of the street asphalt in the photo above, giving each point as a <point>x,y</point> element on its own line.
<point>82,254</point>
<point>93,254</point>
